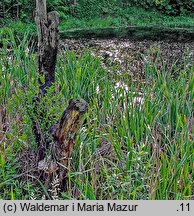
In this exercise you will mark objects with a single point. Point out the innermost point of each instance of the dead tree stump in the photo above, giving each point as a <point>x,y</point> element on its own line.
<point>63,133</point>
<point>48,39</point>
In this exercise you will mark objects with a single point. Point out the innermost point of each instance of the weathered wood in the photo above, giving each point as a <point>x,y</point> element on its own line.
<point>64,134</point>
<point>47,28</point>
<point>33,9</point>
<point>67,128</point>
<point>48,37</point>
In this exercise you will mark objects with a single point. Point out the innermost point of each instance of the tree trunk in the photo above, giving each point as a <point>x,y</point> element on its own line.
<point>64,135</point>
<point>33,9</point>
<point>47,27</point>
<point>64,132</point>
<point>48,37</point>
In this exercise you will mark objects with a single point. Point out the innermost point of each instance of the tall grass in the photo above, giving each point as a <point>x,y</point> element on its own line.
<point>147,124</point>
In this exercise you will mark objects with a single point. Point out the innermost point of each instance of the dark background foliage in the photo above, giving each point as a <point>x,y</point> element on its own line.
<point>24,9</point>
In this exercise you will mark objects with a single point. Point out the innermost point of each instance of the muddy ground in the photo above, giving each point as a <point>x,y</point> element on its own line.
<point>125,56</point>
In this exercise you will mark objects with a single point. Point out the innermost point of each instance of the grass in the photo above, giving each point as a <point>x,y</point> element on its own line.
<point>131,16</point>
<point>18,28</point>
<point>152,147</point>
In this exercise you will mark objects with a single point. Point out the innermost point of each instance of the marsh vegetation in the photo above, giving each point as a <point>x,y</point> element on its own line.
<point>137,138</point>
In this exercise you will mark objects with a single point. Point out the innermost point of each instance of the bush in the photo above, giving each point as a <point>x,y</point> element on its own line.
<point>21,9</point>
<point>169,7</point>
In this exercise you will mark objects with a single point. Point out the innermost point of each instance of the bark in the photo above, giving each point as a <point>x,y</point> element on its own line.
<point>33,9</point>
<point>64,135</point>
<point>47,28</point>
<point>48,37</point>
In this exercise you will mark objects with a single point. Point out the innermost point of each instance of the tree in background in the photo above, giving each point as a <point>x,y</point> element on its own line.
<point>25,9</point>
